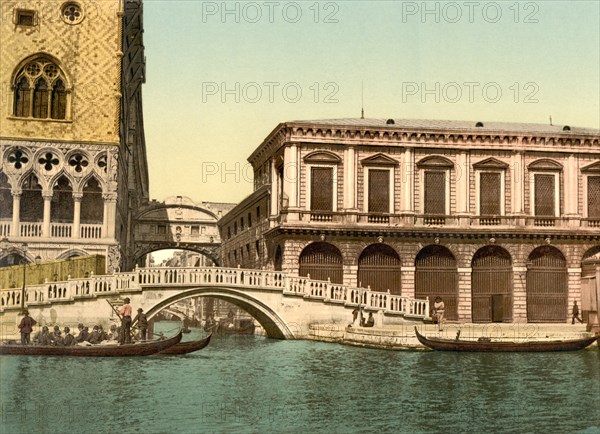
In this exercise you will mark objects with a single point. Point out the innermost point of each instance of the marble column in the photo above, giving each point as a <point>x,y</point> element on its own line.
<point>47,209</point>
<point>16,213</point>
<point>76,214</point>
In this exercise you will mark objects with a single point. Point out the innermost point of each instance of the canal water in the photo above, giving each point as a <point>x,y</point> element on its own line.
<point>252,384</point>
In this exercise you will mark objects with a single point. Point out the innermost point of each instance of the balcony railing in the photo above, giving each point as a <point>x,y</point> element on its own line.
<point>435,220</point>
<point>57,230</point>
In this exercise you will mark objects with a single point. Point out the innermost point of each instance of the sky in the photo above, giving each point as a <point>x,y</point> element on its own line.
<point>220,76</point>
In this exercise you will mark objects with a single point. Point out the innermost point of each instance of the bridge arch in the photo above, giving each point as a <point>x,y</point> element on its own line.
<point>274,325</point>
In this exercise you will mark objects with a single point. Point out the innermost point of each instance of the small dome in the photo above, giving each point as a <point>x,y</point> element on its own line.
<point>566,128</point>
<point>390,122</point>
<point>479,124</point>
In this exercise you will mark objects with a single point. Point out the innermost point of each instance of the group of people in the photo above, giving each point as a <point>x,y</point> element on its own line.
<point>369,322</point>
<point>120,334</point>
<point>437,314</point>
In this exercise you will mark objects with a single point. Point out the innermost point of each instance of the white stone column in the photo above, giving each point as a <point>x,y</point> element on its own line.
<point>408,179</point>
<point>110,215</point>
<point>350,178</point>
<point>274,190</point>
<point>517,183</point>
<point>76,214</point>
<point>47,209</point>
<point>571,190</point>
<point>290,175</point>
<point>16,214</point>
<point>462,183</point>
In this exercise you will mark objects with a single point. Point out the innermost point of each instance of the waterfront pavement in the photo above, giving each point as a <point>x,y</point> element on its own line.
<point>402,336</point>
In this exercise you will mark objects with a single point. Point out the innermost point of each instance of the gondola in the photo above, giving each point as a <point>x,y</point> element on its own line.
<point>145,348</point>
<point>488,345</point>
<point>187,347</point>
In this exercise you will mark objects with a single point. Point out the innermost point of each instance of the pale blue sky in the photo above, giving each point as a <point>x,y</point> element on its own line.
<point>551,54</point>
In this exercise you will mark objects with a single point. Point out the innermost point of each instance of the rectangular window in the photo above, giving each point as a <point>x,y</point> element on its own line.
<point>379,191</point>
<point>258,213</point>
<point>162,230</point>
<point>25,18</point>
<point>195,231</point>
<point>321,189</point>
<point>544,195</point>
<point>242,224</point>
<point>249,220</point>
<point>435,193</point>
<point>593,197</point>
<point>489,193</point>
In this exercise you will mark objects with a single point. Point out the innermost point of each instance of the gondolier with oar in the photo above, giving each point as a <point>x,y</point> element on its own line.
<point>125,313</point>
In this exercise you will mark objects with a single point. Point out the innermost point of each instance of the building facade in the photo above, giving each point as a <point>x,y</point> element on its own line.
<point>74,168</point>
<point>495,218</point>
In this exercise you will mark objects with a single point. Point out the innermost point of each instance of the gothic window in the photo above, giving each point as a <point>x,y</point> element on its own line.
<point>72,13</point>
<point>321,189</point>
<point>62,207</point>
<point>32,202</point>
<point>22,97</point>
<point>40,91</point>
<point>92,205</point>
<point>5,198</point>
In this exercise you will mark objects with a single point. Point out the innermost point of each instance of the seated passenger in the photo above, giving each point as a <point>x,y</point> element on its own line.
<point>94,337</point>
<point>43,337</point>
<point>83,334</point>
<point>58,339</point>
<point>68,338</point>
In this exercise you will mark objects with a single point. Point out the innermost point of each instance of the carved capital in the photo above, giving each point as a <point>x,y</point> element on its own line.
<point>77,196</point>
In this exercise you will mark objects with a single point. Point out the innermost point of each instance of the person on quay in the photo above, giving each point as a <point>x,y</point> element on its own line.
<point>125,312</point>
<point>69,339</point>
<point>26,327</point>
<point>142,323</point>
<point>438,308</point>
<point>354,315</point>
<point>576,313</point>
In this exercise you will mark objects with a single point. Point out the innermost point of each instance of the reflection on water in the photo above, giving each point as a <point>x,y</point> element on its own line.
<point>255,384</point>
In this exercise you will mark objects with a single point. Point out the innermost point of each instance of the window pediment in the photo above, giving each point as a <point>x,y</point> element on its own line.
<point>322,157</point>
<point>544,165</point>
<point>379,160</point>
<point>435,162</point>
<point>592,168</point>
<point>490,163</point>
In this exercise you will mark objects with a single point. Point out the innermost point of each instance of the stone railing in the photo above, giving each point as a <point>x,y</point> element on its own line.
<point>5,228</point>
<point>147,278</point>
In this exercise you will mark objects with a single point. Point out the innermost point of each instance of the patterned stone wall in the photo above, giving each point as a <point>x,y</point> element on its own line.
<point>88,52</point>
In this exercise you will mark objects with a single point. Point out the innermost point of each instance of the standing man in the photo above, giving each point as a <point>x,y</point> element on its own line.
<point>438,308</point>
<point>125,313</point>
<point>26,327</point>
<point>142,323</point>
<point>575,313</point>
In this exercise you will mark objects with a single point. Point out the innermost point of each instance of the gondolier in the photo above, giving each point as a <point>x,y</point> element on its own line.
<point>125,312</point>
<point>26,327</point>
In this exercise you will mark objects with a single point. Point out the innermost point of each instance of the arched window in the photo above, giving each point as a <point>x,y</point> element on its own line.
<point>40,91</point>
<point>59,100</point>
<point>92,206</point>
<point>491,285</point>
<point>379,268</point>
<point>322,261</point>
<point>32,203</point>
<point>40,99</point>
<point>22,97</point>
<point>547,286</point>
<point>62,202</point>
<point>436,275</point>
<point>278,261</point>
<point>5,198</point>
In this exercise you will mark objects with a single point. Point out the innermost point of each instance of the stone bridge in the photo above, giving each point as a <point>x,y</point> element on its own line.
<point>285,305</point>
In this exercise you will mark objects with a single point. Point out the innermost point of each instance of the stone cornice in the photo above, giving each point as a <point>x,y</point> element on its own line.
<point>420,137</point>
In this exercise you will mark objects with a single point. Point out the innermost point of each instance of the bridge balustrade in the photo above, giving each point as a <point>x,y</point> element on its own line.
<point>124,283</point>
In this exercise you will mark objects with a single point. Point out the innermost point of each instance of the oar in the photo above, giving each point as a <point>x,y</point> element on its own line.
<point>114,309</point>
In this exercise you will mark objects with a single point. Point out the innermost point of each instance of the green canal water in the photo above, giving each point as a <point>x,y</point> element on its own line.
<point>252,384</point>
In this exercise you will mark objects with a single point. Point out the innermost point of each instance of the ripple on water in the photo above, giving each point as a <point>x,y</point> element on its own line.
<point>253,384</point>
